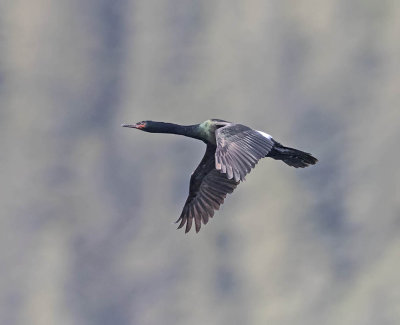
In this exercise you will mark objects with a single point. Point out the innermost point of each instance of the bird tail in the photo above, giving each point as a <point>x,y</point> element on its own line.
<point>292,157</point>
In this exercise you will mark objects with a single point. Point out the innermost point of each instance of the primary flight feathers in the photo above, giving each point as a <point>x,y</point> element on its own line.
<point>232,151</point>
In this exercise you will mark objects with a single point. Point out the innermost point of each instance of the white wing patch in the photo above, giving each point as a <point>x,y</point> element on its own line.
<point>265,135</point>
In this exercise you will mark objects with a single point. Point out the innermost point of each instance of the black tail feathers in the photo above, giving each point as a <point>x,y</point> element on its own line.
<point>292,157</point>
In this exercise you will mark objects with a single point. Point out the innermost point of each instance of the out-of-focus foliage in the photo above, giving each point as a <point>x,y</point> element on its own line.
<point>86,206</point>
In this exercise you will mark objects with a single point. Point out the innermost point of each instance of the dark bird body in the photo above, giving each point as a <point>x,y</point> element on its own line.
<point>232,151</point>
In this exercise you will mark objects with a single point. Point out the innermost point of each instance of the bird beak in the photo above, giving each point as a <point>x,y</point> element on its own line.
<point>128,126</point>
<point>134,126</point>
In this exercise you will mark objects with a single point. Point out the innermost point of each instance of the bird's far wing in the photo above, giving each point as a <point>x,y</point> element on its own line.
<point>207,191</point>
<point>239,148</point>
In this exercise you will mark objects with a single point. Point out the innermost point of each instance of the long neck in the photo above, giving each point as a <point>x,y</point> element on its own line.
<point>191,131</point>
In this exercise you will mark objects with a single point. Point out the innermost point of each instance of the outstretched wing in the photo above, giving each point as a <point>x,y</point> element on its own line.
<point>239,148</point>
<point>207,191</point>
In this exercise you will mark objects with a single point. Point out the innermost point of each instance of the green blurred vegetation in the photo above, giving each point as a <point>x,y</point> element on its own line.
<point>86,207</point>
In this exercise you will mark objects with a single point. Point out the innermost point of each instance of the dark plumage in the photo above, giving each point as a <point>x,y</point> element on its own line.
<point>232,151</point>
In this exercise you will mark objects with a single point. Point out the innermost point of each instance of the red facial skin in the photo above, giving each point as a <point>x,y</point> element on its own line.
<point>140,126</point>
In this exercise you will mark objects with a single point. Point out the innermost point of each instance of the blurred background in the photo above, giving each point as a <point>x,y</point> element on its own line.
<point>87,207</point>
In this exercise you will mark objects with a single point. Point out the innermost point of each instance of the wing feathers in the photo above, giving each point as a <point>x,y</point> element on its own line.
<point>208,189</point>
<point>189,221</point>
<point>238,150</point>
